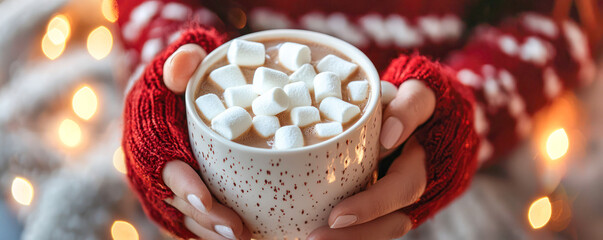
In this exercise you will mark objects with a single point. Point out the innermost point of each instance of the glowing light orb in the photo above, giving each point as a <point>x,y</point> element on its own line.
<point>540,212</point>
<point>122,230</point>
<point>22,190</point>
<point>55,36</point>
<point>58,29</point>
<point>109,10</point>
<point>51,50</point>
<point>557,144</point>
<point>84,103</point>
<point>100,42</point>
<point>70,133</point>
<point>119,160</point>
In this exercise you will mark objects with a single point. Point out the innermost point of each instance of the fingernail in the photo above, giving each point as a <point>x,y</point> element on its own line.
<point>225,231</point>
<point>173,56</point>
<point>390,132</point>
<point>196,202</point>
<point>344,221</point>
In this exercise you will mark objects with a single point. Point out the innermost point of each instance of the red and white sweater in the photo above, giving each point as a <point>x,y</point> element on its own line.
<point>486,92</point>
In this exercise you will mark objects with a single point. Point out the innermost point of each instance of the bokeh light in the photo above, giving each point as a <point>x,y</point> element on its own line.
<point>557,144</point>
<point>237,18</point>
<point>122,230</point>
<point>85,103</point>
<point>540,212</point>
<point>109,10</point>
<point>100,42</point>
<point>55,36</point>
<point>70,133</point>
<point>119,160</point>
<point>22,191</point>
<point>50,49</point>
<point>58,29</point>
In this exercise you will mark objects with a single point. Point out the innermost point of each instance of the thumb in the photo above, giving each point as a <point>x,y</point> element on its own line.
<point>181,65</point>
<point>413,105</point>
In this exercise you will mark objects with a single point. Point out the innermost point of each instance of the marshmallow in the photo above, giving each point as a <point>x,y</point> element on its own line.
<point>326,84</point>
<point>293,55</point>
<point>358,90</point>
<point>388,92</point>
<point>328,129</point>
<point>265,79</point>
<point>288,137</point>
<point>266,126</point>
<point>338,110</point>
<point>228,76</point>
<point>298,94</point>
<point>232,123</point>
<point>246,53</point>
<point>241,96</point>
<point>304,74</point>
<point>305,115</point>
<point>332,63</point>
<point>210,105</point>
<point>272,102</point>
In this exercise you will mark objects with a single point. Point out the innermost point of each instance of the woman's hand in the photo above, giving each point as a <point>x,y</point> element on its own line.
<point>373,213</point>
<point>204,216</point>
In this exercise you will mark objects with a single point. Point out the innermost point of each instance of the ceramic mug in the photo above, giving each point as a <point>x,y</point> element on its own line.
<point>287,193</point>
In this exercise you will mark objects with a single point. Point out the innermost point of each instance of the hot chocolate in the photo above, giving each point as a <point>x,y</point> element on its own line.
<point>283,93</point>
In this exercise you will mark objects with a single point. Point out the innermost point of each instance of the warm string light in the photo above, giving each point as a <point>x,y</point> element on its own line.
<point>557,144</point>
<point>100,42</point>
<point>109,10</point>
<point>119,160</point>
<point>51,50</point>
<point>56,37</point>
<point>57,33</point>
<point>70,133</point>
<point>122,230</point>
<point>540,212</point>
<point>22,190</point>
<point>84,103</point>
<point>58,29</point>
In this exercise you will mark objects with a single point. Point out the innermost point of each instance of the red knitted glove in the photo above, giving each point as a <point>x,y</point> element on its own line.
<point>448,137</point>
<point>155,132</point>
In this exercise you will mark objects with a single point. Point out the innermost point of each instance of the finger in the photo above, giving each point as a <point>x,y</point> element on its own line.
<point>383,152</point>
<point>401,186</point>
<point>390,226</point>
<point>246,235</point>
<point>186,184</point>
<point>200,231</point>
<point>203,219</point>
<point>220,219</point>
<point>181,65</point>
<point>413,105</point>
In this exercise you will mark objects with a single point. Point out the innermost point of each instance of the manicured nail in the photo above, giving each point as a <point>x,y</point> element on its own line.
<point>196,202</point>
<point>390,132</point>
<point>344,221</point>
<point>171,58</point>
<point>225,231</point>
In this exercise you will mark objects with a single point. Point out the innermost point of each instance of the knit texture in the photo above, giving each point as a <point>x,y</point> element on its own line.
<point>155,133</point>
<point>448,137</point>
<point>513,81</point>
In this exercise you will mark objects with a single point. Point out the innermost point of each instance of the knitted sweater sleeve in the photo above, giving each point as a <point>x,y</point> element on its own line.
<point>516,69</point>
<point>486,98</point>
<point>155,129</point>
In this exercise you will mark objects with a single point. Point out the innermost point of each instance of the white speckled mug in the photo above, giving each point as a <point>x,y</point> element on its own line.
<point>286,194</point>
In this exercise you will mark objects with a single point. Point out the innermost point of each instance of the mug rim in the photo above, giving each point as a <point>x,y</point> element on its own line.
<point>344,47</point>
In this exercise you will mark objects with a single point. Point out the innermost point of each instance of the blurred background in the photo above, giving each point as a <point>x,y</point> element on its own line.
<point>61,164</point>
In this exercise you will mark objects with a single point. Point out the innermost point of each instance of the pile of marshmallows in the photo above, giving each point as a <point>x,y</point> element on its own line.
<point>273,92</point>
